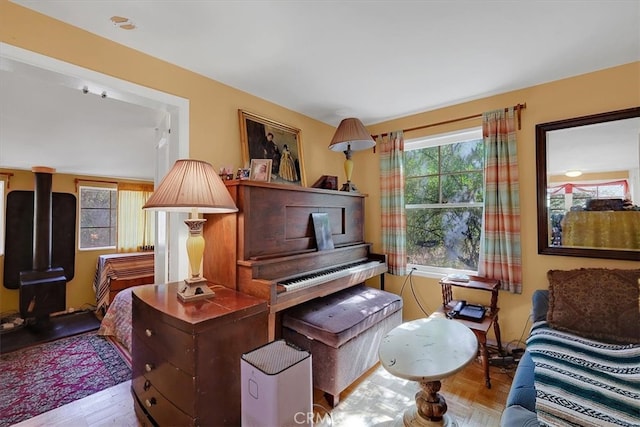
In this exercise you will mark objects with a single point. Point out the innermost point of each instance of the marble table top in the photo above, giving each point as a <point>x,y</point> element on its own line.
<point>427,349</point>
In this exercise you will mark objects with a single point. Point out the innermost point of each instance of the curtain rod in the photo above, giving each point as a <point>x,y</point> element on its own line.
<point>95,180</point>
<point>518,108</point>
<point>78,181</point>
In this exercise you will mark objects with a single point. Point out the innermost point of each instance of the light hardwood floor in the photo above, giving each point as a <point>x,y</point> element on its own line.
<point>376,399</point>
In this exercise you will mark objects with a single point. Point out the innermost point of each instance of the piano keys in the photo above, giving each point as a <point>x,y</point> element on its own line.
<point>322,276</point>
<point>268,249</point>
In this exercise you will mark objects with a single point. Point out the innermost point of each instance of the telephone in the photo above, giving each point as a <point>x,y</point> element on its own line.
<point>462,310</point>
<point>459,306</point>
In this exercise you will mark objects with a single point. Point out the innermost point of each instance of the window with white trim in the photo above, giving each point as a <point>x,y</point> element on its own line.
<point>444,200</point>
<point>98,218</point>
<point>567,196</point>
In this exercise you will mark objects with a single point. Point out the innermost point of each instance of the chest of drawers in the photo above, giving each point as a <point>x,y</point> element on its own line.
<point>186,356</point>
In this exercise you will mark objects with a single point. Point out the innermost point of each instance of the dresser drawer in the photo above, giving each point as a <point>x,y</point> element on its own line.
<point>162,411</point>
<point>175,345</point>
<point>174,384</point>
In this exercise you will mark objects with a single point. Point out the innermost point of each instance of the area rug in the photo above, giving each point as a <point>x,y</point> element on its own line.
<point>38,379</point>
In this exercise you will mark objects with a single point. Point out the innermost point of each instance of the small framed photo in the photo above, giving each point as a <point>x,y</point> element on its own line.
<point>243,173</point>
<point>260,170</point>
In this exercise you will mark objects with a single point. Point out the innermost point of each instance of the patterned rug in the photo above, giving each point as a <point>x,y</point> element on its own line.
<point>41,378</point>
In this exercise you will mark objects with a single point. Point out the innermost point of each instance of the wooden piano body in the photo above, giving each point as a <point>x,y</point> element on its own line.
<point>272,237</point>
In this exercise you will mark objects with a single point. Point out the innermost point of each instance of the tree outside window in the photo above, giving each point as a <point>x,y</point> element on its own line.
<point>98,217</point>
<point>444,193</point>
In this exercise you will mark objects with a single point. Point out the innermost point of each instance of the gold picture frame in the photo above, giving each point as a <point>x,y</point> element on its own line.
<point>263,138</point>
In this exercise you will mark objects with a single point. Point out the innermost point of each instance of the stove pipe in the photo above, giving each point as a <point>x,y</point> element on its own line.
<point>43,289</point>
<point>42,218</point>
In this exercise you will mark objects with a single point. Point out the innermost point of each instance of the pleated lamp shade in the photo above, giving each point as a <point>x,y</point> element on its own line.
<point>351,133</point>
<point>189,185</point>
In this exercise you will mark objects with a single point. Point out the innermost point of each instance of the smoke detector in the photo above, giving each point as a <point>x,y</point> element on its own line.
<point>122,22</point>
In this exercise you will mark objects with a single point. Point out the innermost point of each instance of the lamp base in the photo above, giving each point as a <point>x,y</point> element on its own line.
<point>194,291</point>
<point>349,186</point>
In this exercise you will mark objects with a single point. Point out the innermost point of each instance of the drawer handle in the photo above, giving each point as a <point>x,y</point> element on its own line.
<point>148,332</point>
<point>147,385</point>
<point>150,402</point>
<point>148,367</point>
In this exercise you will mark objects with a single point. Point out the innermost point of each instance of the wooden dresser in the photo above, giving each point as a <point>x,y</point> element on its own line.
<point>186,356</point>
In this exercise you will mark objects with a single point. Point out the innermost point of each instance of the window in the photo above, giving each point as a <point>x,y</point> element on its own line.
<point>444,194</point>
<point>98,213</point>
<point>564,197</point>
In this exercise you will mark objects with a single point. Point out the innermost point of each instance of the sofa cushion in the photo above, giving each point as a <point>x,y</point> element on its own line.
<point>517,416</point>
<point>596,303</point>
<point>540,304</point>
<point>522,391</point>
<point>338,317</point>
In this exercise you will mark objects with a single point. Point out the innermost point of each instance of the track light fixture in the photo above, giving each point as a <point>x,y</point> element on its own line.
<point>85,90</point>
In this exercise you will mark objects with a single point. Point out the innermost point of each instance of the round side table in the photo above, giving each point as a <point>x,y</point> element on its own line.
<point>426,351</point>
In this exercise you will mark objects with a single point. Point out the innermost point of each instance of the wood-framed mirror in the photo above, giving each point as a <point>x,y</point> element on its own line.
<point>597,213</point>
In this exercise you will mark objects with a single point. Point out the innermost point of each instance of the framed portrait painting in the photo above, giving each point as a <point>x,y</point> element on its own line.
<point>263,138</point>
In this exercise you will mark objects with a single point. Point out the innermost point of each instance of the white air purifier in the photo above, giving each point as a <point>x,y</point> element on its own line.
<point>277,387</point>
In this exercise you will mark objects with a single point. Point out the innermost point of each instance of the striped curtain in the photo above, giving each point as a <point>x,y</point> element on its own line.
<point>394,219</point>
<point>135,225</point>
<point>500,255</point>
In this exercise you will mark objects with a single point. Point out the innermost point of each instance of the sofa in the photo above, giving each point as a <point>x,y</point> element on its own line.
<point>582,361</point>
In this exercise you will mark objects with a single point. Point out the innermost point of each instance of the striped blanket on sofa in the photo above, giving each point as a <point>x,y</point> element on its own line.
<point>583,382</point>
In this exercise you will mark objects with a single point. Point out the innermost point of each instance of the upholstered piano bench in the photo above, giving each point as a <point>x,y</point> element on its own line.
<point>342,331</point>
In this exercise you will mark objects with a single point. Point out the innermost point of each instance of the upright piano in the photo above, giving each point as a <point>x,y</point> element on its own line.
<point>268,248</point>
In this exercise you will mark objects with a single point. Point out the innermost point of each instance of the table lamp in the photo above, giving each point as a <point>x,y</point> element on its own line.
<point>192,186</point>
<point>350,135</point>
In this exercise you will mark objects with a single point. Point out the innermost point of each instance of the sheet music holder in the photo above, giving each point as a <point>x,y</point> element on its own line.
<point>322,229</point>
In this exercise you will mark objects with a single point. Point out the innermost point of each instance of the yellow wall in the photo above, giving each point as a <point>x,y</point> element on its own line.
<point>214,135</point>
<point>607,90</point>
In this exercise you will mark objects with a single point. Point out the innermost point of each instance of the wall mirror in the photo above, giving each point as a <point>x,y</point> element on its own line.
<point>588,186</point>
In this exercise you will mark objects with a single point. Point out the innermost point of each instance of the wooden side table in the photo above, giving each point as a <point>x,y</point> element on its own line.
<point>427,351</point>
<point>482,327</point>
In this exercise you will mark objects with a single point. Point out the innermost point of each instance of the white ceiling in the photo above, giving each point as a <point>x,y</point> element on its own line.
<point>375,60</point>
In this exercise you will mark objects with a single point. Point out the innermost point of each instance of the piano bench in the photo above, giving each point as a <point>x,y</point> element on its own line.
<point>342,331</point>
